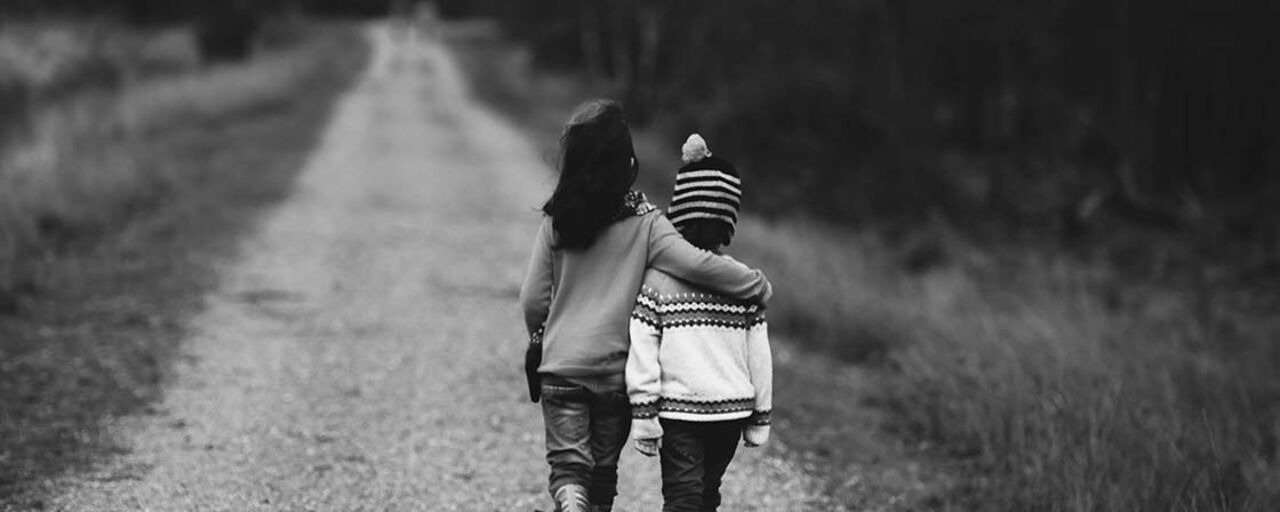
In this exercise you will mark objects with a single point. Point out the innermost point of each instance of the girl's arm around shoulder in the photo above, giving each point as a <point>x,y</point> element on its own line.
<point>671,253</point>
<point>535,293</point>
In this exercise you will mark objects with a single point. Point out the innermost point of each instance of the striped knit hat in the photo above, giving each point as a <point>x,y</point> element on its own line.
<point>707,187</point>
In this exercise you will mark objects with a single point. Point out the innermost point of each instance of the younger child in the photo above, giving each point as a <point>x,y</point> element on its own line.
<point>699,373</point>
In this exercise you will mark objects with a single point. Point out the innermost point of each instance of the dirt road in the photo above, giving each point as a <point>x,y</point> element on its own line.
<point>363,353</point>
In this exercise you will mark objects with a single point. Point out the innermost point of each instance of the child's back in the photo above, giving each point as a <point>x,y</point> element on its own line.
<point>697,355</point>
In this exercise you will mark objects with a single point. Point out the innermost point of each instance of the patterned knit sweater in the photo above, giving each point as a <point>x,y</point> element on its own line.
<point>697,356</point>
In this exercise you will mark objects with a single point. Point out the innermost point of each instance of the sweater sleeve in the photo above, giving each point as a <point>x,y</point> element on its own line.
<point>671,253</point>
<point>760,364</point>
<point>644,372</point>
<point>535,293</point>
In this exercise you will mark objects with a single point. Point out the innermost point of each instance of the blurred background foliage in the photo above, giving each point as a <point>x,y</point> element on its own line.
<point>1006,117</point>
<point>83,77</point>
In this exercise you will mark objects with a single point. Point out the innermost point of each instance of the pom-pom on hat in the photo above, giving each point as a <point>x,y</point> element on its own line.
<point>707,187</point>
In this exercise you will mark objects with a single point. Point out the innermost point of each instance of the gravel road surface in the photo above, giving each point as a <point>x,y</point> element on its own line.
<point>363,353</point>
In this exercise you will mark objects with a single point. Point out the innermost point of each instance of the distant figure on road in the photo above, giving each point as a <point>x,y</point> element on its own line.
<point>590,253</point>
<point>401,17</point>
<point>427,17</point>
<point>412,19</point>
<point>700,373</point>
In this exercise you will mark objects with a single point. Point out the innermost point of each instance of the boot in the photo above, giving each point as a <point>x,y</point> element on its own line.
<point>572,498</point>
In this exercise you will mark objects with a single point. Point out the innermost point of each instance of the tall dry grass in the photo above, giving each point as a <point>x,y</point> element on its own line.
<point>74,169</point>
<point>48,57</point>
<point>1053,384</point>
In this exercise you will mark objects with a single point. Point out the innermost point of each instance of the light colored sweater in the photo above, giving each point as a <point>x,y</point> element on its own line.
<point>581,299</point>
<point>697,356</point>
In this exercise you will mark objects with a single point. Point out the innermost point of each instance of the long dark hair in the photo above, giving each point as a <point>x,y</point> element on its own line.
<point>597,168</point>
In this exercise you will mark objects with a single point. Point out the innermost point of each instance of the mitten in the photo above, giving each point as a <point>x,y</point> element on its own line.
<point>755,435</point>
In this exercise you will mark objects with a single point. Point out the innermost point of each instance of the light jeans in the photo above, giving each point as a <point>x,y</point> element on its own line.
<point>586,431</point>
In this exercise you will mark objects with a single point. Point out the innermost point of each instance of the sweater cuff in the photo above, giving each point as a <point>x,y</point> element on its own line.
<point>760,418</point>
<point>648,428</point>
<point>644,410</point>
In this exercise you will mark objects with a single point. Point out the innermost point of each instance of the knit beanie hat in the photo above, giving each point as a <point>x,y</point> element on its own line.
<point>707,187</point>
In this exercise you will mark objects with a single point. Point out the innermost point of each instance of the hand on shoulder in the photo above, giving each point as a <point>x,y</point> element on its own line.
<point>767,292</point>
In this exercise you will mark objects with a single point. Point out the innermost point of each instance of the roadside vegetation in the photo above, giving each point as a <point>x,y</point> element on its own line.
<point>1116,372</point>
<point>119,194</point>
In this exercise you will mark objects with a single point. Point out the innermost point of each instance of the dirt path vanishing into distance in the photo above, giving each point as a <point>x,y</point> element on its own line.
<point>364,351</point>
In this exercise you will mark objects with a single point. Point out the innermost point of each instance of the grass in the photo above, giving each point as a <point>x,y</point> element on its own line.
<point>115,212</point>
<point>1040,380</point>
<point>76,168</point>
<point>45,62</point>
<point>1028,373</point>
<point>67,54</point>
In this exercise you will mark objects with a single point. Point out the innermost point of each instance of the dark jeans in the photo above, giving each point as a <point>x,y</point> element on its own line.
<point>586,431</point>
<point>694,457</point>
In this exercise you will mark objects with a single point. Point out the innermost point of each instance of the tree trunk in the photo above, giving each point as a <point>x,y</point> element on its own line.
<point>1252,100</point>
<point>1172,155</point>
<point>623,50</point>
<point>589,27</point>
<point>650,19</point>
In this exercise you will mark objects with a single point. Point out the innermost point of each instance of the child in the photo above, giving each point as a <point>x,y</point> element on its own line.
<point>595,242</point>
<point>699,374</point>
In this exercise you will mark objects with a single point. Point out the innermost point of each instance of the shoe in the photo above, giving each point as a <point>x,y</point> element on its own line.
<point>572,498</point>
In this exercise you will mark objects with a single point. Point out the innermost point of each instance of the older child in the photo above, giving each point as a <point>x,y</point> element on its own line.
<point>595,242</point>
<point>699,373</point>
